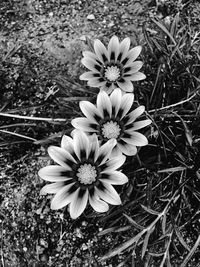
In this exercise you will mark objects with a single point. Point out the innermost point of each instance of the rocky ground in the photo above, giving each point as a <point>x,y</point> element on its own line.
<point>40,50</point>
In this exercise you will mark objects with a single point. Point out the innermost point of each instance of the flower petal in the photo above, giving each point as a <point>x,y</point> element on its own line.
<point>97,204</point>
<point>89,54</point>
<point>132,55</point>
<point>126,104</point>
<point>63,197</point>
<point>107,193</point>
<point>133,115</point>
<point>61,156</point>
<point>136,139</point>
<point>67,144</point>
<point>108,87</point>
<point>81,144</point>
<point>114,177</point>
<point>125,85</point>
<point>127,149</point>
<point>78,204</point>
<point>104,151</point>
<point>113,49</point>
<point>94,147</point>
<point>116,98</point>
<point>104,104</point>
<point>100,51</point>
<point>113,164</point>
<point>55,173</point>
<point>90,111</point>
<point>138,125</point>
<point>138,76</point>
<point>52,188</point>
<point>84,124</point>
<point>133,67</point>
<point>89,75</point>
<point>96,82</point>
<point>91,64</point>
<point>123,49</point>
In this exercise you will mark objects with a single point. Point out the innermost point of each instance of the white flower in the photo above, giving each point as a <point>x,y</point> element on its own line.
<point>112,118</point>
<point>83,173</point>
<point>114,67</point>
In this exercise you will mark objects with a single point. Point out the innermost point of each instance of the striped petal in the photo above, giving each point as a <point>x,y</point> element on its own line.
<point>107,193</point>
<point>113,49</point>
<point>78,204</point>
<point>90,111</point>
<point>84,124</point>
<point>81,144</point>
<point>52,188</point>
<point>105,150</point>
<point>54,173</point>
<point>114,177</point>
<point>63,197</point>
<point>127,149</point>
<point>115,99</point>
<point>94,147</point>
<point>126,104</point>
<point>61,156</point>
<point>125,85</point>
<point>67,144</point>
<point>91,64</point>
<point>96,82</point>
<point>104,104</point>
<point>89,75</point>
<point>113,164</point>
<point>100,51</point>
<point>89,54</point>
<point>132,55</point>
<point>136,139</point>
<point>133,115</point>
<point>138,125</point>
<point>97,204</point>
<point>133,67</point>
<point>123,49</point>
<point>138,76</point>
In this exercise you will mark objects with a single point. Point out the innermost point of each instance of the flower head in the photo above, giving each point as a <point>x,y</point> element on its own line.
<point>114,67</point>
<point>83,172</point>
<point>112,118</point>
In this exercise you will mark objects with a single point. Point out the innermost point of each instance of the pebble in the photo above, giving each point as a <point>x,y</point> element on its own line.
<point>91,17</point>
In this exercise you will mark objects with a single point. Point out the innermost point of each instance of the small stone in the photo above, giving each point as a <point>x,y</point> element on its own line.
<point>111,24</point>
<point>91,17</point>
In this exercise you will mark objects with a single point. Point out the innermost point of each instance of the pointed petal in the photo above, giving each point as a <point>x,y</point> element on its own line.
<point>84,124</point>
<point>116,152</point>
<point>94,147</point>
<point>90,111</point>
<point>96,82</point>
<point>138,125</point>
<point>100,51</point>
<point>133,54</point>
<point>55,173</point>
<point>81,144</point>
<point>52,188</point>
<point>133,115</point>
<point>123,49</point>
<point>78,204</point>
<point>97,204</point>
<point>133,67</point>
<point>108,88</point>
<point>89,54</point>
<point>61,156</point>
<point>91,64</point>
<point>116,98</point>
<point>113,164</point>
<point>107,193</point>
<point>89,75</point>
<point>67,144</point>
<point>138,76</point>
<point>105,150</point>
<point>125,85</point>
<point>114,177</point>
<point>136,139</point>
<point>104,104</point>
<point>126,104</point>
<point>127,149</point>
<point>113,49</point>
<point>63,197</point>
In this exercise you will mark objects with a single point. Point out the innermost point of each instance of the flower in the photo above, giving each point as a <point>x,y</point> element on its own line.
<point>114,67</point>
<point>112,118</point>
<point>83,173</point>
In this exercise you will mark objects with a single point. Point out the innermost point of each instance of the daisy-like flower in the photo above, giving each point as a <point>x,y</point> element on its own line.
<point>112,118</point>
<point>114,67</point>
<point>83,173</point>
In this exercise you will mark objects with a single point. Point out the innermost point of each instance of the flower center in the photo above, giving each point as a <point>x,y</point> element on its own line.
<point>112,73</point>
<point>86,174</point>
<point>111,130</point>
